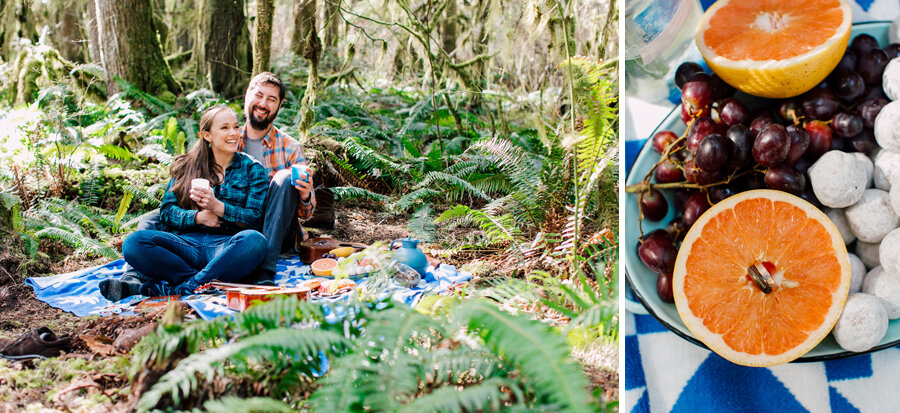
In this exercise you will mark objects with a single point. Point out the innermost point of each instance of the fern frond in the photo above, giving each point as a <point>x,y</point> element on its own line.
<point>345,193</point>
<point>498,229</point>
<point>301,346</point>
<point>541,356</point>
<point>487,396</point>
<point>152,103</point>
<point>453,182</point>
<point>409,200</point>
<point>421,224</point>
<point>340,388</point>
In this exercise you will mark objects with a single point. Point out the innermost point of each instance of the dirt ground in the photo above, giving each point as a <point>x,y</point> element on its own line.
<point>90,377</point>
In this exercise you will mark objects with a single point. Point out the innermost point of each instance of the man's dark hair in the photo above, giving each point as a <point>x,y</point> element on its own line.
<point>271,79</point>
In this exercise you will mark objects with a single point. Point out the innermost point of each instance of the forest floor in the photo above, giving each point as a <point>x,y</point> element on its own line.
<point>93,376</point>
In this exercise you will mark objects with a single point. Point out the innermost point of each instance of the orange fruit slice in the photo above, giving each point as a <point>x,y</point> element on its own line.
<point>323,266</point>
<point>774,48</point>
<point>799,257</point>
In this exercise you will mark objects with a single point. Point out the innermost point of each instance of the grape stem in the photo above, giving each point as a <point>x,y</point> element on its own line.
<point>647,185</point>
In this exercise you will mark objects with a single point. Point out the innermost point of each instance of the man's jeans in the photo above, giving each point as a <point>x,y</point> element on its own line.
<point>280,226</point>
<point>195,257</point>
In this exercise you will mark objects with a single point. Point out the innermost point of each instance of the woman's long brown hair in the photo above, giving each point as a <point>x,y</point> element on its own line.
<point>197,163</point>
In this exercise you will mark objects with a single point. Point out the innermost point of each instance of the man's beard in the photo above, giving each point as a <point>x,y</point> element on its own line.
<point>260,124</point>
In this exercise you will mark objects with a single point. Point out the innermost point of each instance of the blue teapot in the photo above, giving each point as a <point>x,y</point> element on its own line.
<point>409,254</point>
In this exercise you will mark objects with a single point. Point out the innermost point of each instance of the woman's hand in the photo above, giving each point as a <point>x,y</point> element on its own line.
<point>304,188</point>
<point>206,200</point>
<point>207,218</point>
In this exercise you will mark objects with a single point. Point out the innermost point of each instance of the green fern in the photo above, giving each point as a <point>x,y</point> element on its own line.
<point>345,193</point>
<point>421,224</point>
<point>152,103</point>
<point>541,357</point>
<point>498,229</point>
<point>487,396</point>
<point>301,346</point>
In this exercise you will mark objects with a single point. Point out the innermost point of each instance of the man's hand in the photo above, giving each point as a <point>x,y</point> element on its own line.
<point>206,200</point>
<point>207,218</point>
<point>305,188</point>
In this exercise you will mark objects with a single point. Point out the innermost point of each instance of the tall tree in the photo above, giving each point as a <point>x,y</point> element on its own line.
<point>16,22</point>
<point>223,52</point>
<point>304,14</point>
<point>263,45</point>
<point>129,47</point>
<point>67,35</point>
<point>450,28</point>
<point>332,23</point>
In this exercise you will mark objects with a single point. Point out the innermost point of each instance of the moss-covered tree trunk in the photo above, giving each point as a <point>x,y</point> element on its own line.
<point>263,43</point>
<point>16,22</point>
<point>129,48</point>
<point>332,24</point>
<point>450,28</point>
<point>304,13</point>
<point>67,36</point>
<point>223,56</point>
<point>93,34</point>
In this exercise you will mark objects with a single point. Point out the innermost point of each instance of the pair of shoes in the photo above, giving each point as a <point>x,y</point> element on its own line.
<point>323,216</point>
<point>115,290</point>
<point>40,342</point>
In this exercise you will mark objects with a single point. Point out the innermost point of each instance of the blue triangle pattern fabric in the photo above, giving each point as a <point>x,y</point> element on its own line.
<point>849,368</point>
<point>646,324</point>
<point>838,403</point>
<point>634,372</point>
<point>720,386</point>
<point>643,404</point>
<point>865,4</point>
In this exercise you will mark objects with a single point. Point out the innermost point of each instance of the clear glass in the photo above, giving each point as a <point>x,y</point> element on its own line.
<point>659,35</point>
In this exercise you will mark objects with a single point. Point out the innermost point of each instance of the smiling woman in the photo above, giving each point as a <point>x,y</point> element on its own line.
<point>215,226</point>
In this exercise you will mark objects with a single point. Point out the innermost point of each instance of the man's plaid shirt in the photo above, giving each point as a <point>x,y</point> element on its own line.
<point>280,151</point>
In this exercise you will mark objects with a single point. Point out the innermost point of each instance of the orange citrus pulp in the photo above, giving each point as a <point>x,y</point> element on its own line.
<point>774,48</point>
<point>779,234</point>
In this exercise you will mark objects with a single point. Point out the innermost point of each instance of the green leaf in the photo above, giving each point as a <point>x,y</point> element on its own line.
<point>123,207</point>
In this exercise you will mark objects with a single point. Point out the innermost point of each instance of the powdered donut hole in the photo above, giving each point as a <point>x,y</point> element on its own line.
<point>863,323</point>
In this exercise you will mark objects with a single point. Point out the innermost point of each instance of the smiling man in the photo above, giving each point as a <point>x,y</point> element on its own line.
<point>285,202</point>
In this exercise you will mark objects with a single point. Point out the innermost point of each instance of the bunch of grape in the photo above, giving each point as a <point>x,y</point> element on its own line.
<point>728,147</point>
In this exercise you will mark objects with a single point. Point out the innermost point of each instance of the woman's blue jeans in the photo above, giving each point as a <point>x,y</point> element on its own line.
<point>196,257</point>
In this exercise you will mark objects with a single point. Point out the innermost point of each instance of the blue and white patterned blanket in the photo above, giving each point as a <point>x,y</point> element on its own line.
<point>79,292</point>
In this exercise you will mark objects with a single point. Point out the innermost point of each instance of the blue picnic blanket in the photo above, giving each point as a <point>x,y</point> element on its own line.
<point>79,292</point>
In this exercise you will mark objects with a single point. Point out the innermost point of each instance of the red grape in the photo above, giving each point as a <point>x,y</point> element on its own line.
<point>685,72</point>
<point>662,140</point>
<point>848,61</point>
<point>785,178</point>
<point>668,171</point>
<point>697,94</point>
<point>848,85</point>
<point>819,138</point>
<point>695,175</point>
<point>742,145</point>
<point>658,254</point>
<point>799,143</point>
<point>700,129</point>
<point>871,65</point>
<point>760,122</point>
<point>869,109</point>
<point>862,44</point>
<point>772,145</point>
<point>847,124</point>
<point>712,154</point>
<point>819,104</point>
<point>694,206</point>
<point>864,142</point>
<point>730,111</point>
<point>664,287</point>
<point>892,50</point>
<point>654,205</point>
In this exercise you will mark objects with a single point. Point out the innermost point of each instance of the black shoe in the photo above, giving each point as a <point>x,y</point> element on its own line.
<point>115,290</point>
<point>323,216</point>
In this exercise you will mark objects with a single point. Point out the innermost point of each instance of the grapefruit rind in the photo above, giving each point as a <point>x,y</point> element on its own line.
<point>714,340</point>
<point>777,78</point>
